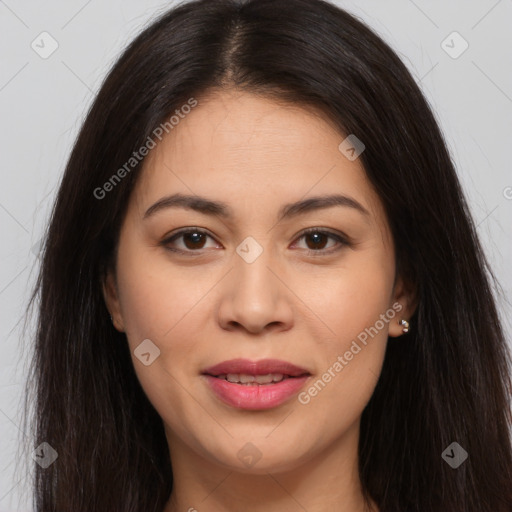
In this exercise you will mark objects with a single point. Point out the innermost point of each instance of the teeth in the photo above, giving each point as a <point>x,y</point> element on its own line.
<point>251,380</point>
<point>264,379</point>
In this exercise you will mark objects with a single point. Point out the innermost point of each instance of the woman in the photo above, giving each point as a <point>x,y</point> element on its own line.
<point>261,287</point>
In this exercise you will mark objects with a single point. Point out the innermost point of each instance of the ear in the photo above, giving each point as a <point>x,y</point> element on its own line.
<point>111,296</point>
<point>404,303</point>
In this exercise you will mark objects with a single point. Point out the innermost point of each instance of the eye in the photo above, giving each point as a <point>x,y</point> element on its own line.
<point>193,240</point>
<point>318,239</point>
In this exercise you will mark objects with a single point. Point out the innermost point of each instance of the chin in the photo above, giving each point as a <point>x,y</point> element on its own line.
<point>251,460</point>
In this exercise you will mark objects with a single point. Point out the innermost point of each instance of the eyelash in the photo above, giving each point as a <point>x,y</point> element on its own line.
<point>320,252</point>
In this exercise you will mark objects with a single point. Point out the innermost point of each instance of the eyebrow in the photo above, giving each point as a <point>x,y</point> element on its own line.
<point>222,210</point>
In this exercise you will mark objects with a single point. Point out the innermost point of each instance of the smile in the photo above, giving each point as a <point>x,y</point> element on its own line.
<point>264,384</point>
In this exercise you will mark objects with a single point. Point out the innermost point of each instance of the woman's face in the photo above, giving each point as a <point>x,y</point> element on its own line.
<point>250,285</point>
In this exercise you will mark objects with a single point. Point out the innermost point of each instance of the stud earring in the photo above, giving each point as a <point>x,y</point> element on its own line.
<point>404,324</point>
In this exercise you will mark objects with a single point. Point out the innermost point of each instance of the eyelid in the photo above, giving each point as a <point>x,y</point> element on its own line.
<point>343,240</point>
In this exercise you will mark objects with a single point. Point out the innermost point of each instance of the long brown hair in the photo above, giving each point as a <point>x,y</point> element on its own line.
<point>447,381</point>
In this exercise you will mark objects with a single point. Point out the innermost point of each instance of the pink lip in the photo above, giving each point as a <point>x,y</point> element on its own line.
<point>257,396</point>
<point>261,367</point>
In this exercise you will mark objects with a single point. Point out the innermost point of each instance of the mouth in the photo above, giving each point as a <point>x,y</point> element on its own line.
<point>254,380</point>
<point>255,385</point>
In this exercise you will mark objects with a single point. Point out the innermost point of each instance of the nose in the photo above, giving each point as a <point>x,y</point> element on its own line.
<point>255,297</point>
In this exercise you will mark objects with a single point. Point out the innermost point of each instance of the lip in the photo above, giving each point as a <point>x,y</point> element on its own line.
<point>255,397</point>
<point>261,367</point>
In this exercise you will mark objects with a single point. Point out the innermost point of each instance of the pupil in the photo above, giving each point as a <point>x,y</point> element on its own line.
<point>195,237</point>
<point>316,238</point>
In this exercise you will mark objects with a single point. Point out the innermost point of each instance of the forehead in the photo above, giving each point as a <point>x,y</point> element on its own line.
<point>251,132</point>
<point>243,148</point>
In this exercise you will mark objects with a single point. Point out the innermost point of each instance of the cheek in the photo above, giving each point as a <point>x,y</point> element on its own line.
<point>166,305</point>
<point>356,308</point>
<point>352,298</point>
<point>156,298</point>
<point>156,306</point>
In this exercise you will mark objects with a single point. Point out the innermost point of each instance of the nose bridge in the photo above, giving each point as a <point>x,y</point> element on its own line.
<point>254,297</point>
<point>255,282</point>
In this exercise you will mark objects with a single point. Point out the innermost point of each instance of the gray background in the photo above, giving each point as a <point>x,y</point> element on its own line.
<point>43,101</point>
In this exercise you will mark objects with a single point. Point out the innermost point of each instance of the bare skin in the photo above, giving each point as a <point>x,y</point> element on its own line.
<point>303,300</point>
